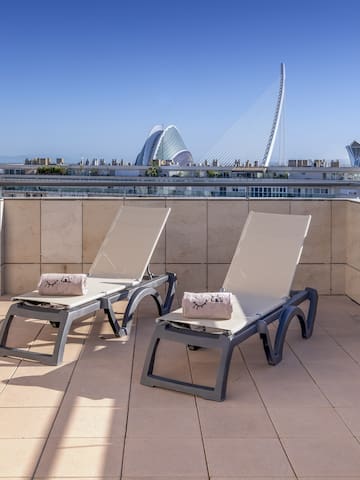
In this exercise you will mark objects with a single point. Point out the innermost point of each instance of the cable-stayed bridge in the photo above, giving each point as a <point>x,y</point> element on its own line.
<point>243,142</point>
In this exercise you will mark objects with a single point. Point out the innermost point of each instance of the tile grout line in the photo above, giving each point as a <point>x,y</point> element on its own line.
<point>61,403</point>
<point>129,395</point>
<point>198,415</point>
<point>331,405</point>
<point>267,412</point>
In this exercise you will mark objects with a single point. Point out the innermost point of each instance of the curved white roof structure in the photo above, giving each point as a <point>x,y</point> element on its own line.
<point>164,144</point>
<point>353,151</point>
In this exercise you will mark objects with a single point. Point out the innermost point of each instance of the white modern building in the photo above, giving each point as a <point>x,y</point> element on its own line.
<point>164,145</point>
<point>353,151</point>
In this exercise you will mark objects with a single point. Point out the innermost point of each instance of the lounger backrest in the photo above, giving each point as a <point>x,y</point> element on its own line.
<point>267,254</point>
<point>130,242</point>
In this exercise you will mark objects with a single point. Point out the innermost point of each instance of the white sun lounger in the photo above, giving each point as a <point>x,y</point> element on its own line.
<point>117,273</point>
<point>259,278</point>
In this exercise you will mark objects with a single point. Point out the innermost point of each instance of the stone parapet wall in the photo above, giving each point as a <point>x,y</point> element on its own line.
<point>63,235</point>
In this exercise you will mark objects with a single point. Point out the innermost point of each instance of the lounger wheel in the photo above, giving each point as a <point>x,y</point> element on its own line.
<point>55,324</point>
<point>193,348</point>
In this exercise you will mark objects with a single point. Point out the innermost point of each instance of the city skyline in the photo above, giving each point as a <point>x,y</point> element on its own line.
<point>91,78</point>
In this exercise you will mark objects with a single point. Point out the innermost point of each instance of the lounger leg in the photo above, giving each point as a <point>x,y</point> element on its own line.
<point>274,352</point>
<point>134,302</point>
<point>109,312</point>
<point>170,293</point>
<point>5,327</point>
<point>134,297</point>
<point>61,339</point>
<point>167,332</point>
<point>310,295</point>
<point>223,371</point>
<point>310,320</point>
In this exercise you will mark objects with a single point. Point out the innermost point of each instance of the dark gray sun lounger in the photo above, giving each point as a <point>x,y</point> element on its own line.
<point>259,277</point>
<point>119,272</point>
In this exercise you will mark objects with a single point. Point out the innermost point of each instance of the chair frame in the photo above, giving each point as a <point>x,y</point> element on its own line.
<point>225,342</point>
<point>132,285</point>
<point>62,318</point>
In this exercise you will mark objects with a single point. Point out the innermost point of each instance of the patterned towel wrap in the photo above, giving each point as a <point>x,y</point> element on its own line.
<point>62,284</point>
<point>211,305</point>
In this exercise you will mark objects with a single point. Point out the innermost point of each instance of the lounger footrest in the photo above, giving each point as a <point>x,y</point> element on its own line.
<point>63,319</point>
<point>166,331</point>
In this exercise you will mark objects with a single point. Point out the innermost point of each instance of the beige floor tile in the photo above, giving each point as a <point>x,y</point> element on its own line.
<point>17,478</point>
<point>247,422</point>
<point>45,341</point>
<point>304,394</point>
<point>173,457</point>
<point>29,396</point>
<point>8,367</point>
<point>321,348</point>
<point>342,394</point>
<point>239,394</point>
<point>81,457</point>
<point>246,457</point>
<point>339,371</point>
<point>36,385</point>
<point>166,477</point>
<point>331,456</point>
<point>81,397</point>
<point>142,396</point>
<point>350,344</point>
<point>351,417</point>
<point>252,478</point>
<point>98,385</point>
<point>98,351</point>
<point>104,363</point>
<point>205,363</point>
<point>307,422</point>
<point>163,423</point>
<point>23,331</point>
<point>253,351</point>
<point>282,374</point>
<point>171,361</point>
<point>87,422</point>
<point>19,456</point>
<point>34,422</point>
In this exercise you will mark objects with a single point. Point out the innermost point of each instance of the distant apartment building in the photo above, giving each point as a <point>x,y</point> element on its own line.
<point>43,161</point>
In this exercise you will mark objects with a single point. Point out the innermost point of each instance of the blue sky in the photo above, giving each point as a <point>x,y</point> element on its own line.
<point>90,78</point>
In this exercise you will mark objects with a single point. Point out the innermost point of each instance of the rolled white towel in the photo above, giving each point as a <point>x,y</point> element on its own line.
<point>211,305</point>
<point>62,284</point>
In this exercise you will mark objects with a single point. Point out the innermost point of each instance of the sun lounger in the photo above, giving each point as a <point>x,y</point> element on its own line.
<point>259,278</point>
<point>117,273</point>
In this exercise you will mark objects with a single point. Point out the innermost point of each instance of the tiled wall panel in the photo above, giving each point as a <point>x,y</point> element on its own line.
<point>61,231</point>
<point>198,243</point>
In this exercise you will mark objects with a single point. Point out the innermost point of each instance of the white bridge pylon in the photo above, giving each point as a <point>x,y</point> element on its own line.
<point>274,129</point>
